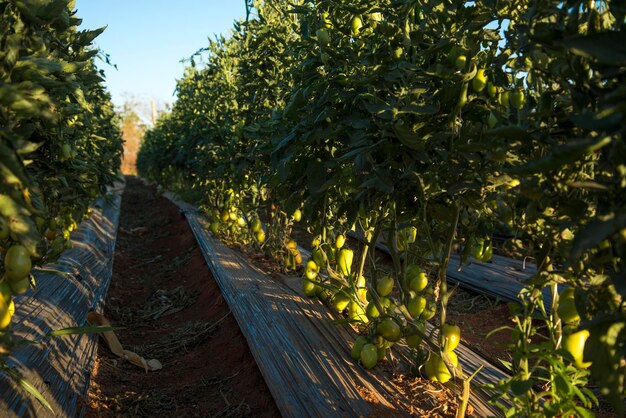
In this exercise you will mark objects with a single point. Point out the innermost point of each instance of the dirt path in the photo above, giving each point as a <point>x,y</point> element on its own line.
<point>163,293</point>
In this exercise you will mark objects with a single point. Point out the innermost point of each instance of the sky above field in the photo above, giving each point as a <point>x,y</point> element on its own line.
<point>147,39</point>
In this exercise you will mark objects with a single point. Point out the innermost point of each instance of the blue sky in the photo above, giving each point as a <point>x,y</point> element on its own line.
<point>146,39</point>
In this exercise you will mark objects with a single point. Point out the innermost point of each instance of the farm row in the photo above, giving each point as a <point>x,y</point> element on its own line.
<point>434,125</point>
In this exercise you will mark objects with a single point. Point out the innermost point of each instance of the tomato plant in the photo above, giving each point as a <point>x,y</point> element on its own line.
<point>360,115</point>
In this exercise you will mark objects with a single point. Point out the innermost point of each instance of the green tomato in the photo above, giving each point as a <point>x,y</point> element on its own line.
<point>518,99</point>
<point>416,306</point>
<point>355,25</point>
<point>256,225</point>
<point>419,283</point>
<point>20,286</point>
<point>451,337</point>
<point>358,346</point>
<point>340,241</point>
<point>491,89</point>
<point>430,311</point>
<point>492,120</point>
<point>311,269</point>
<point>463,95</point>
<point>344,261</point>
<point>460,62</point>
<point>369,355</point>
<point>413,340</point>
<point>480,81</point>
<point>398,52</point>
<point>297,215</point>
<point>566,309</point>
<point>356,313</point>
<point>4,228</point>
<point>575,344</point>
<point>317,255</point>
<point>309,289</point>
<point>260,236</point>
<point>340,302</point>
<point>384,286</point>
<point>390,330</point>
<point>17,262</point>
<point>323,35</point>
<point>504,98</point>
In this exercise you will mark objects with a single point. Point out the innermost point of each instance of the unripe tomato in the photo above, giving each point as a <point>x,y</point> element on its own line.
<point>340,241</point>
<point>5,296</point>
<point>460,61</point>
<point>311,269</point>
<point>241,221</point>
<point>575,344</point>
<point>326,20</point>
<point>256,225</point>
<point>384,286</point>
<point>340,302</point>
<point>214,227</point>
<point>491,89</point>
<point>369,355</point>
<point>344,261</point>
<point>360,282</point>
<point>518,99</point>
<point>430,311</point>
<point>431,366</point>
<point>443,373</point>
<point>492,120</point>
<point>323,35</point>
<point>413,340</point>
<point>390,330</point>
<point>356,313</point>
<point>416,306</point>
<point>480,81</point>
<point>372,310</point>
<point>358,346</point>
<point>463,95</point>
<point>233,216</point>
<point>419,283</point>
<point>4,228</point>
<point>504,98</point>
<point>17,262</point>
<point>316,242</point>
<point>5,318</point>
<point>318,256</point>
<point>567,310</point>
<point>260,236</point>
<point>398,52</point>
<point>20,286</point>
<point>297,215</point>
<point>355,25</point>
<point>309,288</point>
<point>451,337</point>
<point>225,216</point>
<point>66,151</point>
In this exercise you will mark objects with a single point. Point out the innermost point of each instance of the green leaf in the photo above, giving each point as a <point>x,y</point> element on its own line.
<point>520,387</point>
<point>28,387</point>
<point>562,155</point>
<point>81,330</point>
<point>595,232</point>
<point>605,47</point>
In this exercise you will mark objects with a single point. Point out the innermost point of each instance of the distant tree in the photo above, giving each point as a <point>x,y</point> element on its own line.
<point>133,128</point>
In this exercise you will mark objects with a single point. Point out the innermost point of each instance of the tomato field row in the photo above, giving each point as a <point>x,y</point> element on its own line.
<point>434,124</point>
<point>59,142</point>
